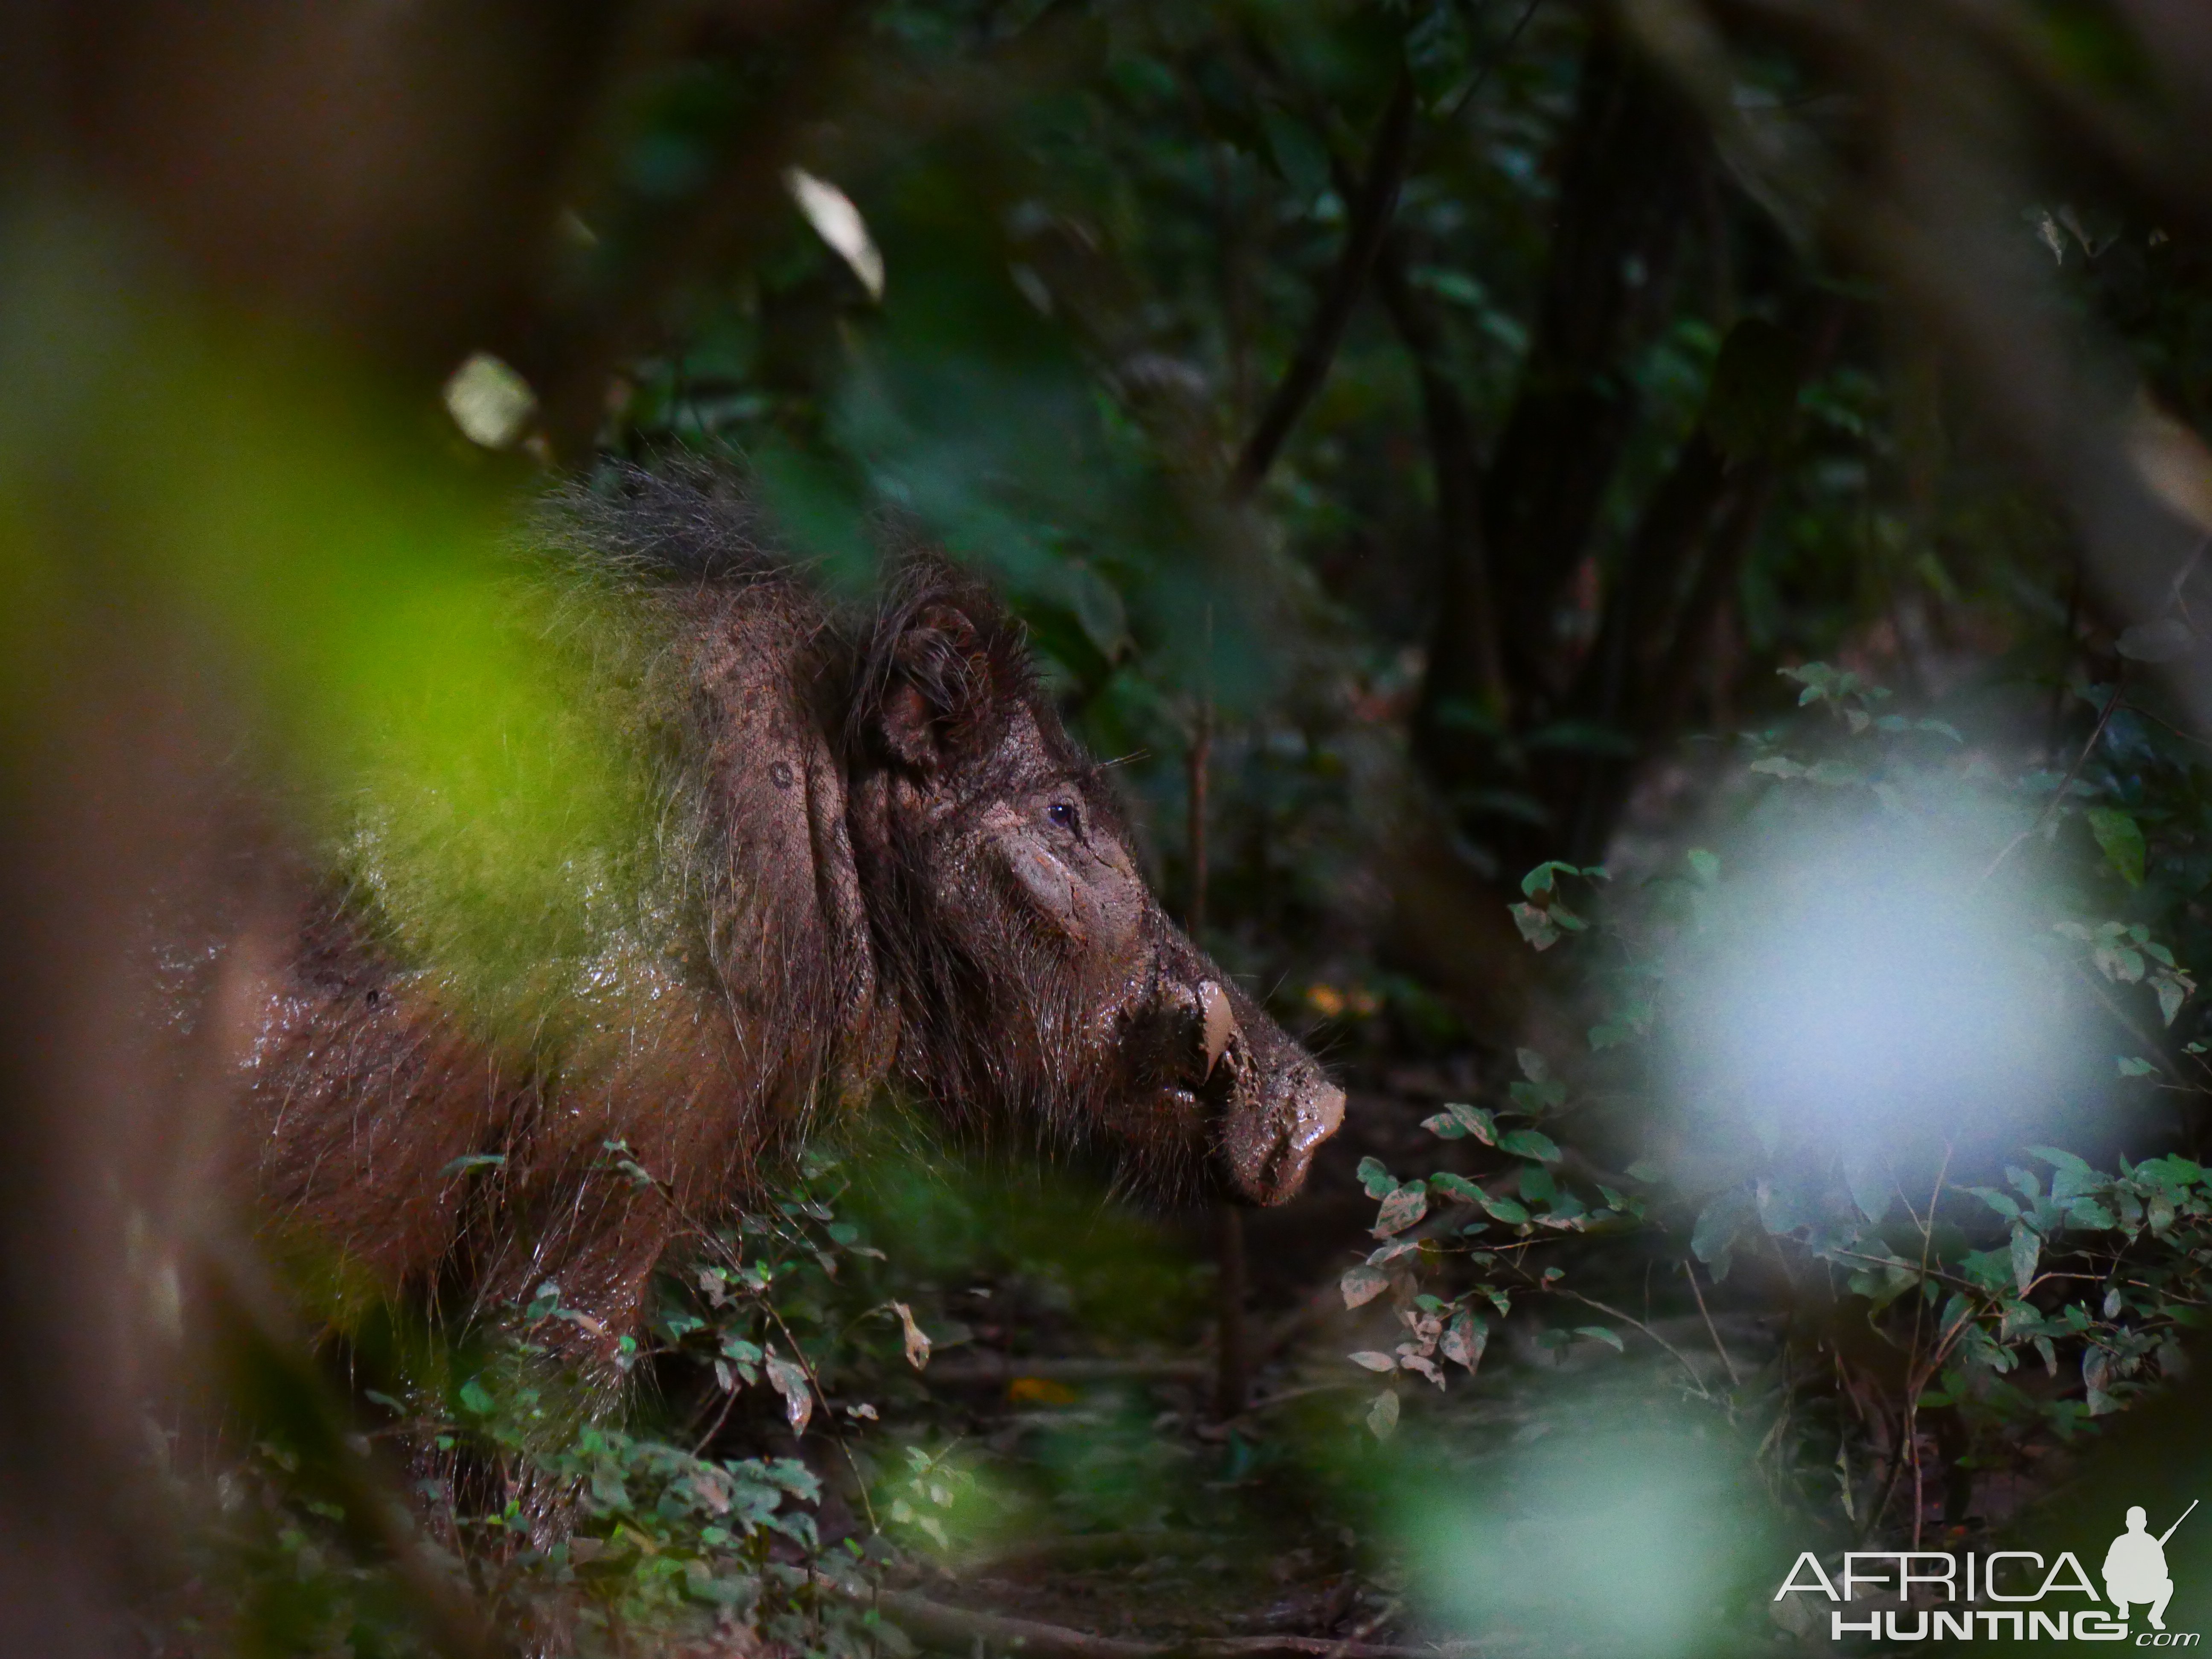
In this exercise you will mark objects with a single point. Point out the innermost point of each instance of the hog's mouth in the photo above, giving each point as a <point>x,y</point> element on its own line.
<point>1262,1103</point>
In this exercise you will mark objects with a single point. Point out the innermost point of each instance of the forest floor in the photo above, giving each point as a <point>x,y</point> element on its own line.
<point>1281,1528</point>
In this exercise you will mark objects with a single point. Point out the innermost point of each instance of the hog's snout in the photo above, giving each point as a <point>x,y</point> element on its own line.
<point>1270,1135</point>
<point>1267,1105</point>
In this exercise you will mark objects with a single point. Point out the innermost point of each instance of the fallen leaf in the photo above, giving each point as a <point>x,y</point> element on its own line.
<point>917,1340</point>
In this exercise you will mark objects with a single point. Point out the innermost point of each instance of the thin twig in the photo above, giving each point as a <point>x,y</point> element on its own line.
<point>736,1259</point>
<point>1631,1319</point>
<point>1915,1377</point>
<point>1712,1330</point>
<point>1369,213</point>
<point>1465,94</point>
<point>2127,1022</point>
<point>2066,783</point>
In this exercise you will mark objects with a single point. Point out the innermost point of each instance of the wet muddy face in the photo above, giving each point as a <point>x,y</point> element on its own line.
<point>1039,978</point>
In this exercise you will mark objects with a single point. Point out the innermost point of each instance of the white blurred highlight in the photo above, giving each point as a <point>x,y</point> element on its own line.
<point>1855,992</point>
<point>838,223</point>
<point>489,401</point>
<point>1612,1543</point>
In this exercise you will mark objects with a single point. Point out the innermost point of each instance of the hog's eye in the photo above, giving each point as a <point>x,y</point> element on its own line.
<point>1064,816</point>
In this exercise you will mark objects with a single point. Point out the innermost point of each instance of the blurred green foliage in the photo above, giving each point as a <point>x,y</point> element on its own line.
<point>1105,231</point>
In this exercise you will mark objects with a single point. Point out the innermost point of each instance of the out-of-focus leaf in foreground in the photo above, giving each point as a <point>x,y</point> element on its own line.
<point>343,576</point>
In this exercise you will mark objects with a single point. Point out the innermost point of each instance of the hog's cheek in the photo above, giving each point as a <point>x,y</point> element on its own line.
<point>1119,904</point>
<point>1048,885</point>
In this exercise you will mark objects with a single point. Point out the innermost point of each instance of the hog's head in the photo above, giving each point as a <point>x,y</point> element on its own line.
<point>1035,976</point>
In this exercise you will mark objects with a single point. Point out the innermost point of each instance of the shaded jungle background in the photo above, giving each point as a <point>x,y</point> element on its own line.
<point>1623,555</point>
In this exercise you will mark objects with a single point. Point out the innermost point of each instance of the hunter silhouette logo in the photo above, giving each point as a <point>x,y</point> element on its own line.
<point>2001,1595</point>
<point>2134,1567</point>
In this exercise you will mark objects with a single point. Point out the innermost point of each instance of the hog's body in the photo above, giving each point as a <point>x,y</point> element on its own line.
<point>894,866</point>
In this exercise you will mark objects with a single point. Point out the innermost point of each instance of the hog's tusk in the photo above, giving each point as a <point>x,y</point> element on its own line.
<point>1220,1024</point>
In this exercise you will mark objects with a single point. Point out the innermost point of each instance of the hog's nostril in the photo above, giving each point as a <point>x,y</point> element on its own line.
<point>1322,1116</point>
<point>1218,1023</point>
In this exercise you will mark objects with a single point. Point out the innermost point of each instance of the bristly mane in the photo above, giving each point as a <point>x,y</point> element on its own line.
<point>689,524</point>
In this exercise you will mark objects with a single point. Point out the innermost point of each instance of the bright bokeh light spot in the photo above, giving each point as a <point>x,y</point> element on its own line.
<point>839,223</point>
<point>1606,1542</point>
<point>489,401</point>
<point>1865,988</point>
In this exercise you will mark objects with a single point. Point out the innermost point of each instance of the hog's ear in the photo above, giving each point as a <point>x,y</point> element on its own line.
<point>939,691</point>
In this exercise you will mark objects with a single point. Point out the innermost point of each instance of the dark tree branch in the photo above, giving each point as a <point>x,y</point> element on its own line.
<point>581,338</point>
<point>1627,168</point>
<point>1654,635</point>
<point>1370,210</point>
<point>1820,327</point>
<point>1669,697</point>
<point>1465,665</point>
<point>1674,522</point>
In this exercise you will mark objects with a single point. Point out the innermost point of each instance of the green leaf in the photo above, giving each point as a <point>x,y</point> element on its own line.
<point>1601,1333</point>
<point>2027,1248</point>
<point>2136,1065</point>
<point>1536,925</point>
<point>1363,1284</point>
<point>1475,1120</point>
<point>1541,879</point>
<point>1504,1210</point>
<point>2003,1203</point>
<point>1382,1415</point>
<point>1458,1119</point>
<point>1868,1178</point>
<point>1298,154</point>
<point>1705,866</point>
<point>1401,1209</point>
<point>2122,840</point>
<point>1454,285</point>
<point>474,1161</point>
<point>1719,1225</point>
<point>2172,994</point>
<point>1532,1065</point>
<point>1378,1181</point>
<point>1457,1186</point>
<point>1465,1339</point>
<point>1529,1144</point>
<point>1374,1361</point>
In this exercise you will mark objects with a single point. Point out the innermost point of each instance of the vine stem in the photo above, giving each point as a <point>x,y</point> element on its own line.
<point>735,1258</point>
<point>1711,1329</point>
<point>1915,1378</point>
<point>2059,795</point>
<point>1697,1382</point>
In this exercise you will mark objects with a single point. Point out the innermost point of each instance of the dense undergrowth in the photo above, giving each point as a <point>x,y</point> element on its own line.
<point>1761,1140</point>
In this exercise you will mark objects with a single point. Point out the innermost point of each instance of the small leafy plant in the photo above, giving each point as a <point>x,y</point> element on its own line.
<point>2005,1310</point>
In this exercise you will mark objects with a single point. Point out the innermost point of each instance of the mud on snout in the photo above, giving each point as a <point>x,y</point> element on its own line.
<point>1259,1103</point>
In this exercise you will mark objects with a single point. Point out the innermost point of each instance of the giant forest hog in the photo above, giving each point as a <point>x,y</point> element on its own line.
<point>896,868</point>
